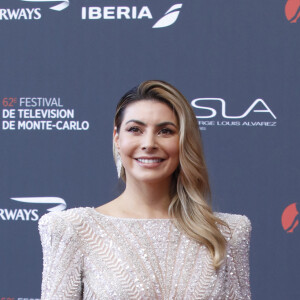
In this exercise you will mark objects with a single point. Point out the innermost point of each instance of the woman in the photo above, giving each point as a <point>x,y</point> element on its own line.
<point>160,238</point>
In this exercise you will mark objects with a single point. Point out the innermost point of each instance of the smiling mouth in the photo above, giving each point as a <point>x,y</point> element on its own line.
<point>149,161</point>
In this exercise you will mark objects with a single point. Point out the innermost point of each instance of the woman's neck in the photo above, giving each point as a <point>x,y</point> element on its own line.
<point>145,200</point>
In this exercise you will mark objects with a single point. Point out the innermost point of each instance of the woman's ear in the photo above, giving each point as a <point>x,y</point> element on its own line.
<point>116,138</point>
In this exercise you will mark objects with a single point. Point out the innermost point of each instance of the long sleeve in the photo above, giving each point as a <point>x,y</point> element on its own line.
<point>238,285</point>
<point>62,259</point>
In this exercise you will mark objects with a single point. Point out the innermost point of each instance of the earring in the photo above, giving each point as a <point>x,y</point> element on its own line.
<point>119,165</point>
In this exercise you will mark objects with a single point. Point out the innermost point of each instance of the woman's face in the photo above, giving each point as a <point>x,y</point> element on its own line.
<point>148,142</point>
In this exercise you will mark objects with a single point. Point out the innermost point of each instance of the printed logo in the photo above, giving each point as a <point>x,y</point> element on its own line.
<point>18,298</point>
<point>130,13</point>
<point>58,7</point>
<point>8,14</point>
<point>30,214</point>
<point>213,111</point>
<point>115,13</point>
<point>39,113</point>
<point>44,200</point>
<point>292,10</point>
<point>223,108</point>
<point>169,18</point>
<point>119,13</point>
<point>290,218</point>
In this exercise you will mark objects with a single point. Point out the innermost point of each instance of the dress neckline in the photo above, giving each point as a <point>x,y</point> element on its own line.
<point>126,219</point>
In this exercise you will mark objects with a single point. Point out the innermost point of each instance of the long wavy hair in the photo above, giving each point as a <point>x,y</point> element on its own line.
<point>190,205</point>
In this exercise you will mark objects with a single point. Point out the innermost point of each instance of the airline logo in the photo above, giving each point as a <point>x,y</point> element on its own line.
<point>122,13</point>
<point>292,10</point>
<point>45,200</point>
<point>18,298</point>
<point>290,218</point>
<point>58,7</point>
<point>170,17</point>
<point>31,214</point>
<point>130,13</point>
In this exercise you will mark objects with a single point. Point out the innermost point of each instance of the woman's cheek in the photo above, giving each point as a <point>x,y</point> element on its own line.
<point>128,147</point>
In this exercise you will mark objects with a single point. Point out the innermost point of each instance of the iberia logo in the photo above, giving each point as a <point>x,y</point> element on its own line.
<point>292,10</point>
<point>170,17</point>
<point>290,218</point>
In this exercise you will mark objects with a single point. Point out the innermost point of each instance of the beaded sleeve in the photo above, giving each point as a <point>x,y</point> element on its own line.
<point>238,285</point>
<point>62,259</point>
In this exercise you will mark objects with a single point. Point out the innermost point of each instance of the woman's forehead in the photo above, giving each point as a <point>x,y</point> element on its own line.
<point>151,110</point>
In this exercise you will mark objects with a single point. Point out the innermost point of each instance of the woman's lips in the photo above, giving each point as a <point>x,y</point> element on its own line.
<point>150,162</point>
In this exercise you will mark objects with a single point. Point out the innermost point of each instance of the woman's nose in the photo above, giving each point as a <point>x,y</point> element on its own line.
<point>149,141</point>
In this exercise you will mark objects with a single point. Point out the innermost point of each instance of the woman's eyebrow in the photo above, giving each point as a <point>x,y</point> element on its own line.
<point>157,125</point>
<point>136,121</point>
<point>166,123</point>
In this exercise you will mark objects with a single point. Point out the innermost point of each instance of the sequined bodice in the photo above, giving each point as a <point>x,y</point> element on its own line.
<point>91,256</point>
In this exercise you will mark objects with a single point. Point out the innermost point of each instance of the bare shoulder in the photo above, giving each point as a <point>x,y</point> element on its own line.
<point>106,209</point>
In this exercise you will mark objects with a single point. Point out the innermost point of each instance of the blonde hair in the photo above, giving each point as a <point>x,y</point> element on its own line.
<point>190,204</point>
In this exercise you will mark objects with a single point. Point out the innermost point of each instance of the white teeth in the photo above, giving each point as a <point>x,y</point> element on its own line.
<point>149,161</point>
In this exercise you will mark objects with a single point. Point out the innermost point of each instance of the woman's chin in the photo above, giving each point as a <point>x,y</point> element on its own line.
<point>148,179</point>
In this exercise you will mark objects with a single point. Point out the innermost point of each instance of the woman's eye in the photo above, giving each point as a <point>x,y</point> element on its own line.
<point>134,129</point>
<point>166,131</point>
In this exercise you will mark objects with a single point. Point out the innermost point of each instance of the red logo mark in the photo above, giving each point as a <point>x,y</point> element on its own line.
<point>292,10</point>
<point>290,218</point>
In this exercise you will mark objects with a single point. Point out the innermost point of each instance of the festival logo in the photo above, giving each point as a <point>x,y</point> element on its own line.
<point>39,113</point>
<point>290,218</point>
<point>292,10</point>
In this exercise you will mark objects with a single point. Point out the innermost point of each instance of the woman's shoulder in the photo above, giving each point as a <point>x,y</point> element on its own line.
<point>53,216</point>
<point>239,225</point>
<point>58,220</point>
<point>233,218</point>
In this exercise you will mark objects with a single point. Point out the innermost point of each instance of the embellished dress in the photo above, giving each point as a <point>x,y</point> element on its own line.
<point>91,256</point>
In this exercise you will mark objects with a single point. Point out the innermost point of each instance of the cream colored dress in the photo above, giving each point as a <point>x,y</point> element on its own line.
<point>91,256</point>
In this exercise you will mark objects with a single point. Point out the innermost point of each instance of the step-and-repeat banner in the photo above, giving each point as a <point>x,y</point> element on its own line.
<point>64,64</point>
